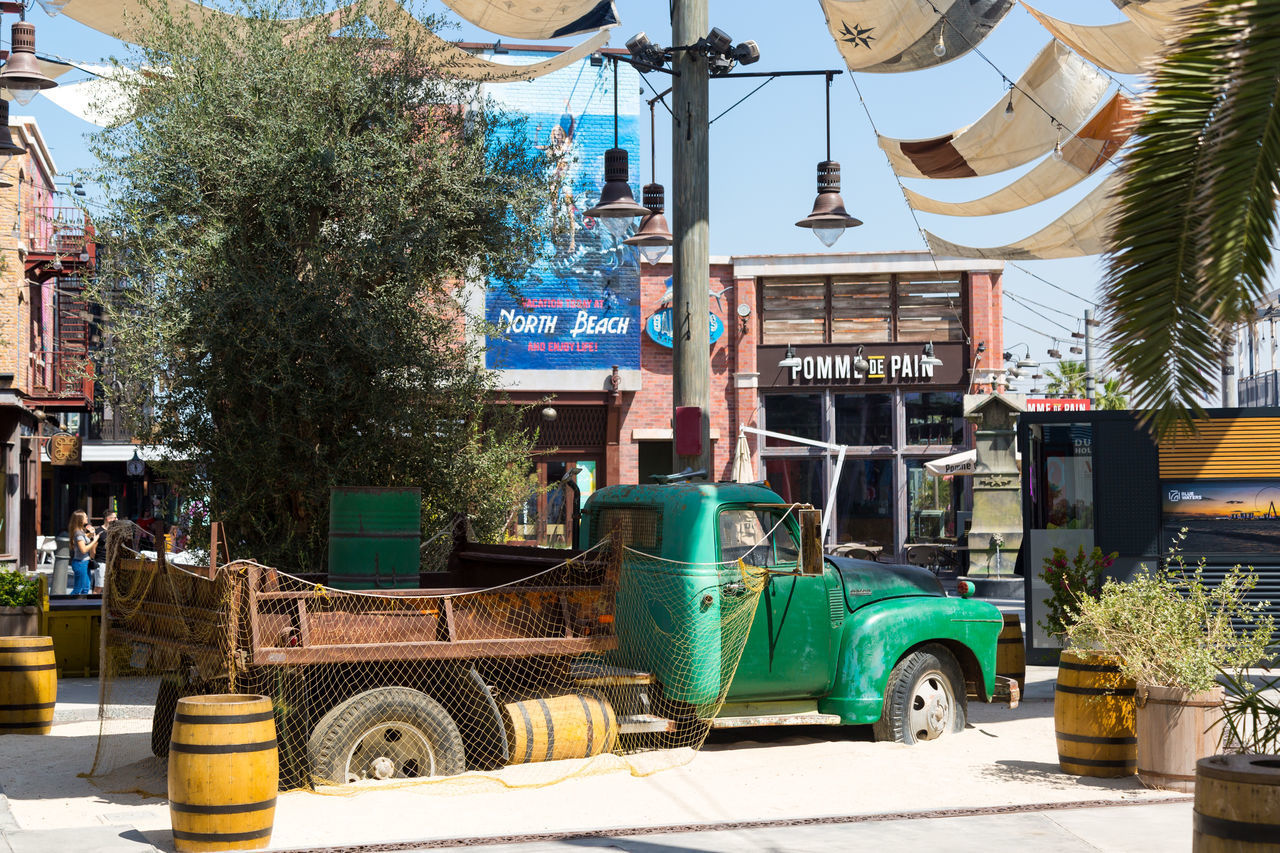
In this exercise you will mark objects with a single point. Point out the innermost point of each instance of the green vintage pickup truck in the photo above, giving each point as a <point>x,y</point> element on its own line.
<point>834,641</point>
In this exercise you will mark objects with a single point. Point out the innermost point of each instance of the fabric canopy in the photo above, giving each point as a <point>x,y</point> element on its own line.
<point>872,32</point>
<point>1125,48</point>
<point>127,20</point>
<point>1062,85</point>
<point>1157,17</point>
<point>537,19</point>
<point>101,101</point>
<point>960,29</point>
<point>1088,150</point>
<point>1078,232</point>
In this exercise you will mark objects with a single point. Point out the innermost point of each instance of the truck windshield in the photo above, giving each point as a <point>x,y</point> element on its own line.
<point>756,537</point>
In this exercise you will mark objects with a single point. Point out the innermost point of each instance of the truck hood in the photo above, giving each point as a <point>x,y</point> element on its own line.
<point>866,581</point>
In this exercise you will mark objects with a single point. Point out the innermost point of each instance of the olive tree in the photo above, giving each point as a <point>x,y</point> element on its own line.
<point>295,213</point>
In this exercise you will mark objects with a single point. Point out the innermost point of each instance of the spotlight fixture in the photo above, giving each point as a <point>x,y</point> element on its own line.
<point>644,50</point>
<point>719,42</point>
<point>929,359</point>
<point>860,364</point>
<point>747,53</point>
<point>21,74</point>
<point>791,360</point>
<point>744,312</point>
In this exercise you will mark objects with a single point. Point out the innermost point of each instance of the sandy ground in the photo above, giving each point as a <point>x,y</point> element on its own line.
<point>1005,757</point>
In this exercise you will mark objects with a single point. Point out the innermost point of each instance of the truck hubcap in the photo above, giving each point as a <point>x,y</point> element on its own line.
<point>390,751</point>
<point>932,707</point>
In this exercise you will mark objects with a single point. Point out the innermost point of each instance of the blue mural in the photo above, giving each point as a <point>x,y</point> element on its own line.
<point>578,306</point>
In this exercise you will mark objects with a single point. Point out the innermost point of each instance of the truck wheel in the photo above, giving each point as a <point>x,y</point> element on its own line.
<point>924,698</point>
<point>167,695</point>
<point>387,733</point>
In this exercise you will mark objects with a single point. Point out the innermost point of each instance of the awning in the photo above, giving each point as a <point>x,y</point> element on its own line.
<point>114,452</point>
<point>956,463</point>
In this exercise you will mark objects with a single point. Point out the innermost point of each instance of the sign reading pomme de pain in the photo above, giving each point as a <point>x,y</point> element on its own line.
<point>1063,404</point>
<point>887,365</point>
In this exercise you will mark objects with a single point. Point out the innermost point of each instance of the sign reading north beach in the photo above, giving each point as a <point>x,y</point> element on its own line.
<point>578,305</point>
<point>1222,516</point>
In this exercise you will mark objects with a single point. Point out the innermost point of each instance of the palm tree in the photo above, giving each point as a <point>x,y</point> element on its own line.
<point>1067,379</point>
<point>1191,241</point>
<point>1110,397</point>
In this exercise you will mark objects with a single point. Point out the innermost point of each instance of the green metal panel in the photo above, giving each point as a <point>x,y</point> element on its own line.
<point>374,537</point>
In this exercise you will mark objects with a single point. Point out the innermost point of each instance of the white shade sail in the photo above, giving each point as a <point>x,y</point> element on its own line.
<point>1078,232</point>
<point>1125,48</point>
<point>537,19</point>
<point>1058,83</point>
<point>1088,150</point>
<point>960,29</point>
<point>872,32</point>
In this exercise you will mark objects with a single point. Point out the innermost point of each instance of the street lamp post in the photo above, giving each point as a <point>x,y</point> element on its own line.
<point>691,271</point>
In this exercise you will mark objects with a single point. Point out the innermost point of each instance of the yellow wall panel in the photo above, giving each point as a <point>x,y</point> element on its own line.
<point>1226,447</point>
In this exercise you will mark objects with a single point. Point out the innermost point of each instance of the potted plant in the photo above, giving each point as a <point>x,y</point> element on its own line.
<point>1173,633</point>
<point>19,604</point>
<point>1093,710</point>
<point>1238,793</point>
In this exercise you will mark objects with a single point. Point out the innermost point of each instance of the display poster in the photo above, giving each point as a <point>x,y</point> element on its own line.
<point>1222,516</point>
<point>578,305</point>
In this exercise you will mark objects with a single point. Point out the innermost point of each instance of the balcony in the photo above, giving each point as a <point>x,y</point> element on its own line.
<point>65,233</point>
<point>60,378</point>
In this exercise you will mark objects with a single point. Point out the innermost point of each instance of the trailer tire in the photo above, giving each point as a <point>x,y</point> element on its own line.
<point>924,698</point>
<point>386,733</point>
<point>167,694</point>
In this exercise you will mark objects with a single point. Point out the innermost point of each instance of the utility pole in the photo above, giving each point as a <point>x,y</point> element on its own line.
<point>691,374</point>
<point>1089,382</point>
<point>1228,373</point>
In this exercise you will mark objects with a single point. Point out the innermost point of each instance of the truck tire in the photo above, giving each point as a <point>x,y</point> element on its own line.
<point>924,698</point>
<point>386,733</point>
<point>167,695</point>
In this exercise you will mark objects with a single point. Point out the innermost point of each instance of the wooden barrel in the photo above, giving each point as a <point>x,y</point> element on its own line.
<point>578,725</point>
<point>28,685</point>
<point>1093,717</point>
<point>1237,804</point>
<point>1011,654</point>
<point>1176,728</point>
<point>223,773</point>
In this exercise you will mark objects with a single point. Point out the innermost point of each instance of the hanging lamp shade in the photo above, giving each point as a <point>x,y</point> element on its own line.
<point>21,75</point>
<point>654,237</point>
<point>828,219</point>
<point>616,205</point>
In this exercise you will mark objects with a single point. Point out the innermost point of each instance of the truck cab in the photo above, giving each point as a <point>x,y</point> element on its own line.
<point>820,640</point>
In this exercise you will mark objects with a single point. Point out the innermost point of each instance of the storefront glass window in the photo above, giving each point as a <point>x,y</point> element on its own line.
<point>931,504</point>
<point>861,310</point>
<point>793,414</point>
<point>929,308</point>
<point>796,480</point>
<point>864,503</point>
<point>864,419</point>
<point>934,417</point>
<point>1061,482</point>
<point>794,311</point>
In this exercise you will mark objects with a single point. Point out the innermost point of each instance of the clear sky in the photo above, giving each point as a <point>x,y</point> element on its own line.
<point>764,152</point>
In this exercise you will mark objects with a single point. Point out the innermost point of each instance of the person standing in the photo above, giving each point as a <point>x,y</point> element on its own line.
<point>99,567</point>
<point>83,540</point>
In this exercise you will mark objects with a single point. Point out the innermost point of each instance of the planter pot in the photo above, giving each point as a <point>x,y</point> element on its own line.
<point>1176,728</point>
<point>1237,804</point>
<point>1093,717</point>
<point>19,621</point>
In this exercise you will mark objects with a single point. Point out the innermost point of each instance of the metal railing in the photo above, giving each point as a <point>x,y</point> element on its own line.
<point>60,375</point>
<point>62,231</point>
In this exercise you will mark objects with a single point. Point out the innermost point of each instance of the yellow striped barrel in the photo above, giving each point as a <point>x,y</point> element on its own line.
<point>28,685</point>
<point>1094,717</point>
<point>1011,654</point>
<point>224,770</point>
<point>576,725</point>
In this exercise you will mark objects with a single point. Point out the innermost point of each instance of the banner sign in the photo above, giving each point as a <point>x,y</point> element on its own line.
<point>659,328</point>
<point>1053,404</point>
<point>1222,516</point>
<point>578,305</point>
<point>887,365</point>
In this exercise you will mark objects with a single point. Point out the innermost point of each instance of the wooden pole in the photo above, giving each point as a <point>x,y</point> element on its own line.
<point>691,381</point>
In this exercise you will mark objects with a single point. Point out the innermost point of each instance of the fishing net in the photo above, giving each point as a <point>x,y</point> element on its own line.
<point>520,666</point>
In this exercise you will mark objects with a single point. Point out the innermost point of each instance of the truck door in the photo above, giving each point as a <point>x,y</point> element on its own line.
<point>788,653</point>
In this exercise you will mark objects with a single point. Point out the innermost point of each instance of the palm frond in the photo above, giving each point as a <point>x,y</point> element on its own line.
<point>1189,245</point>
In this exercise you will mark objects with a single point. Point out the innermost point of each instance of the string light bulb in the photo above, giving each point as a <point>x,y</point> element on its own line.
<point>1008,108</point>
<point>940,49</point>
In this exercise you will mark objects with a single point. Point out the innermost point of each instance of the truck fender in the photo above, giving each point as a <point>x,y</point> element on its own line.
<point>877,636</point>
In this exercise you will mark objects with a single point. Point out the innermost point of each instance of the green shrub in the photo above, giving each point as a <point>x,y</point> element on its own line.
<point>1171,629</point>
<point>17,590</point>
<point>1069,581</point>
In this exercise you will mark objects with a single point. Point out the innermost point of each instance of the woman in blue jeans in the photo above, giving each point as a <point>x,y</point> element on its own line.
<point>83,541</point>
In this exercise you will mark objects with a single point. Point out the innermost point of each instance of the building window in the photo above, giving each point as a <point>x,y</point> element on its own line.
<point>1061,484</point>
<point>931,504</point>
<point>862,309</point>
<point>864,498</point>
<point>864,419</point>
<point>796,480</point>
<point>934,417</point>
<point>793,414</point>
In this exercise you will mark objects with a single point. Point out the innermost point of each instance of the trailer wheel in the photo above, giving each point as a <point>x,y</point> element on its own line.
<point>167,694</point>
<point>387,733</point>
<point>924,698</point>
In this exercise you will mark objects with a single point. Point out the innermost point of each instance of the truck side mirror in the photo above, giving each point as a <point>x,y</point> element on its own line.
<point>810,541</point>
